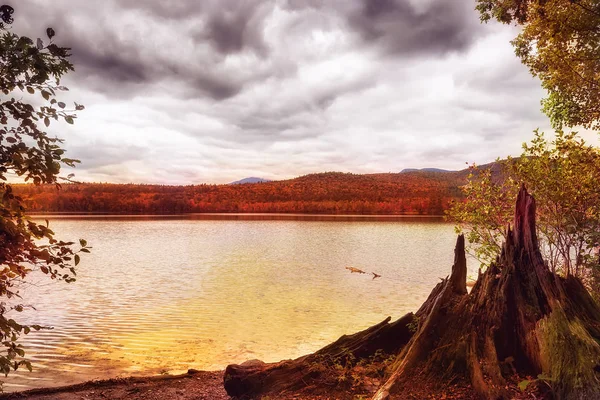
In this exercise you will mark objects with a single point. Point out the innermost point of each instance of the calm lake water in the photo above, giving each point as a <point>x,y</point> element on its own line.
<point>161,295</point>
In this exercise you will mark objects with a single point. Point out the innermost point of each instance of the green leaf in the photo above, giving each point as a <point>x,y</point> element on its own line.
<point>69,120</point>
<point>30,90</point>
<point>523,384</point>
<point>82,242</point>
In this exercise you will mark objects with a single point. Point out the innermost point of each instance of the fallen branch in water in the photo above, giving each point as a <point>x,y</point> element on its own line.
<point>355,270</point>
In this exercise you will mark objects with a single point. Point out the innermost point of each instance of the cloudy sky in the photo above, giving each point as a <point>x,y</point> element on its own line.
<point>188,91</point>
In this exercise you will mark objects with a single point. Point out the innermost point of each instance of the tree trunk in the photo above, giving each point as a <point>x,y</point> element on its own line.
<point>519,320</point>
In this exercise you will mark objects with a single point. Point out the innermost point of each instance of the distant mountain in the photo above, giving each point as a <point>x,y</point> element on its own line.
<point>251,179</point>
<point>405,170</point>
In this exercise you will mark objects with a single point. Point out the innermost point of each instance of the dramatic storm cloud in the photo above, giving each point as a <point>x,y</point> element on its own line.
<point>187,91</point>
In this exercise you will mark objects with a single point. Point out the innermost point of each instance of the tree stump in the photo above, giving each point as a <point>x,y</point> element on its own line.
<point>518,320</point>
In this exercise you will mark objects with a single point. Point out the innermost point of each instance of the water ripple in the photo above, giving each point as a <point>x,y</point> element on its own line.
<point>167,295</point>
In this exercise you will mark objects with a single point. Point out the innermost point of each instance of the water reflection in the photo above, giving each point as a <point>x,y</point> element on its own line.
<point>167,294</point>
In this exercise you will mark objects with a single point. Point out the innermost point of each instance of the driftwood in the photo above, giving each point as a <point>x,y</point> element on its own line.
<point>355,270</point>
<point>254,377</point>
<point>518,320</point>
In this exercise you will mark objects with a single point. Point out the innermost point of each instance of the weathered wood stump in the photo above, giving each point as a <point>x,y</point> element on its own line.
<point>518,320</point>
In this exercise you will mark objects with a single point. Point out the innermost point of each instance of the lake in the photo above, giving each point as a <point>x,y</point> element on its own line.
<point>164,294</point>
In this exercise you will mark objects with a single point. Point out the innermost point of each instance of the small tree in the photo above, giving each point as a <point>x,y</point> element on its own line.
<point>30,74</point>
<point>484,214</point>
<point>564,176</point>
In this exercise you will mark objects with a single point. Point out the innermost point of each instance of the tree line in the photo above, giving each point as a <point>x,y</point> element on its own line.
<point>412,193</point>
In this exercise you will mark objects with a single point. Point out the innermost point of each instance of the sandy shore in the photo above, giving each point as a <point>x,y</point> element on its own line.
<point>208,385</point>
<point>197,385</point>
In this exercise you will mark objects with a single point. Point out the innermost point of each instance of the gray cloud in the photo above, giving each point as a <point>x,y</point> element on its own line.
<point>128,46</point>
<point>186,91</point>
<point>398,26</point>
<point>401,27</point>
<point>114,60</point>
<point>237,28</point>
<point>172,9</point>
<point>229,26</point>
<point>101,154</point>
<point>124,67</point>
<point>126,60</point>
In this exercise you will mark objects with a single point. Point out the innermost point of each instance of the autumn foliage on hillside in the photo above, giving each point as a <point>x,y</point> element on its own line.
<point>427,193</point>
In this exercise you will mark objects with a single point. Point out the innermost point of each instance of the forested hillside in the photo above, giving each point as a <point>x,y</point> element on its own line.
<point>415,192</point>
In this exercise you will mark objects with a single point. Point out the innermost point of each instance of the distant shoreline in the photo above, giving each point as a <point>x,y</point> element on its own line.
<point>238,216</point>
<point>412,194</point>
<point>58,213</point>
